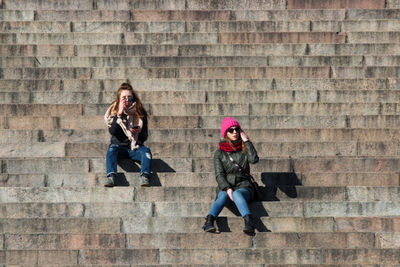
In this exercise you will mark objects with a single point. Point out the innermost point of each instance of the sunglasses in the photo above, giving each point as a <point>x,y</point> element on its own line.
<point>129,98</point>
<point>231,130</point>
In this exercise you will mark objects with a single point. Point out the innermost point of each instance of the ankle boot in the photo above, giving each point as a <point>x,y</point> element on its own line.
<point>209,224</point>
<point>248,224</point>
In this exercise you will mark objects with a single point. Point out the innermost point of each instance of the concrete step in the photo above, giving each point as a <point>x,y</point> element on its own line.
<point>195,257</point>
<point>318,4</point>
<point>384,99</point>
<point>213,26</point>
<point>373,37</point>
<point>200,109</point>
<point>139,211</point>
<point>187,179</point>
<point>209,72</point>
<point>288,208</point>
<point>196,50</point>
<point>127,5</point>
<point>174,62</point>
<point>199,15</point>
<point>208,122</point>
<point>202,72</point>
<point>280,256</point>
<point>161,225</point>
<point>350,179</point>
<point>216,26</point>
<point>195,150</point>
<point>78,257</point>
<point>255,15</point>
<point>197,241</point>
<point>189,225</point>
<point>231,109</point>
<point>198,38</point>
<point>192,194</point>
<point>72,85</point>
<point>27,226</point>
<point>307,164</point>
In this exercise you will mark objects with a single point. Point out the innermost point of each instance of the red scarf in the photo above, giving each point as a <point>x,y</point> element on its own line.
<point>227,147</point>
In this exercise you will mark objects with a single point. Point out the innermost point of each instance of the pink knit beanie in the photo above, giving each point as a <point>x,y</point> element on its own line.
<point>227,123</point>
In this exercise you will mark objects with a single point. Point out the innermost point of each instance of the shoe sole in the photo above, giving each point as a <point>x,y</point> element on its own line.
<point>211,230</point>
<point>145,185</point>
<point>108,185</point>
<point>248,231</point>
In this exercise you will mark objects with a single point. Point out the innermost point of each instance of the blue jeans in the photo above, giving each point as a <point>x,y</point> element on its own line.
<point>240,196</point>
<point>115,152</point>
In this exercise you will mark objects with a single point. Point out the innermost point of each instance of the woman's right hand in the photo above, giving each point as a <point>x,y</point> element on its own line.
<point>121,107</point>
<point>229,191</point>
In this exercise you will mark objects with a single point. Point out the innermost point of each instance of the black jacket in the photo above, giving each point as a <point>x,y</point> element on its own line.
<point>228,175</point>
<point>118,136</point>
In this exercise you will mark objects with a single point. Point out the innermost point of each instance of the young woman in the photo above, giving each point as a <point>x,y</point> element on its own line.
<point>233,184</point>
<point>127,123</point>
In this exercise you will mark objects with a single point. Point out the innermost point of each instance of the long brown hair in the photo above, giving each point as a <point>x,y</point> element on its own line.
<point>139,109</point>
<point>244,149</point>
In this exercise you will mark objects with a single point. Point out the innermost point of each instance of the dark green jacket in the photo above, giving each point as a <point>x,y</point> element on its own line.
<point>228,175</point>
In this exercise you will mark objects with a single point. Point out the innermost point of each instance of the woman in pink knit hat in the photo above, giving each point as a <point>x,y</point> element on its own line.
<point>233,183</point>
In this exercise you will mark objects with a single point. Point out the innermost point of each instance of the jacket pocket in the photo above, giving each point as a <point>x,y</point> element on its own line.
<point>231,178</point>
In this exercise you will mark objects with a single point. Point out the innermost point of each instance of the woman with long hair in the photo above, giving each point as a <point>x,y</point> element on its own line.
<point>127,123</point>
<point>233,184</point>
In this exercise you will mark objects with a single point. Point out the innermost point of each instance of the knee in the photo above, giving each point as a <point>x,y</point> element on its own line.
<point>237,196</point>
<point>145,151</point>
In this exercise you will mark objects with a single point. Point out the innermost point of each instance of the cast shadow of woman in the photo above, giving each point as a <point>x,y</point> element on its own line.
<point>271,182</point>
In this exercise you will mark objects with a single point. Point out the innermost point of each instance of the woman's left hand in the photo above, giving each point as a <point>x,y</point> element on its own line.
<point>135,130</point>
<point>243,136</point>
<point>229,191</point>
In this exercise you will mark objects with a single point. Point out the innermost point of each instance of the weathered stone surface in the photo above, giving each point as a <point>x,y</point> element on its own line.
<point>22,180</point>
<point>152,4</point>
<point>181,15</point>
<point>350,179</point>
<point>64,241</point>
<point>368,224</point>
<point>199,209</point>
<point>125,209</point>
<point>50,5</point>
<point>119,256</point>
<point>82,15</point>
<point>36,150</point>
<point>40,166</point>
<point>61,225</point>
<point>314,240</point>
<point>234,5</point>
<point>302,37</point>
<point>159,225</point>
<point>16,15</point>
<point>351,209</point>
<point>388,240</point>
<point>318,4</point>
<point>66,195</point>
<point>373,37</point>
<point>37,210</point>
<point>367,14</point>
<point>198,241</point>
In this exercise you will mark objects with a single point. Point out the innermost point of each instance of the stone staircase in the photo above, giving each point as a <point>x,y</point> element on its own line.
<point>316,84</point>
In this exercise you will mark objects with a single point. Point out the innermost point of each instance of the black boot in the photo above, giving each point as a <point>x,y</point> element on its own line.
<point>209,224</point>
<point>248,224</point>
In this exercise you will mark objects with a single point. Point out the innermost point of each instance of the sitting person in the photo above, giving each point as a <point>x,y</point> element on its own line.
<point>127,123</point>
<point>233,184</point>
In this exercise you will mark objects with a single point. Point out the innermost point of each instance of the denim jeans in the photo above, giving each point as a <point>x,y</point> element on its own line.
<point>115,152</point>
<point>240,196</point>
